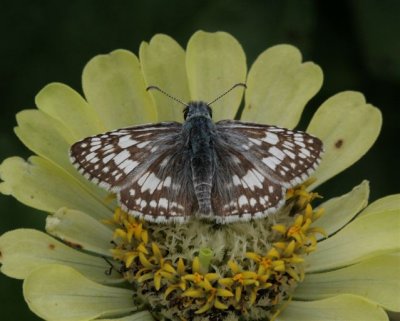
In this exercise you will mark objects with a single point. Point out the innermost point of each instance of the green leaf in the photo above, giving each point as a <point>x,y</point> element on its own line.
<point>279,86</point>
<point>344,307</point>
<point>57,292</point>
<point>215,62</point>
<point>348,127</point>
<point>76,227</point>
<point>365,237</point>
<point>113,84</point>
<point>163,65</point>
<point>341,210</point>
<point>25,250</point>
<point>377,279</point>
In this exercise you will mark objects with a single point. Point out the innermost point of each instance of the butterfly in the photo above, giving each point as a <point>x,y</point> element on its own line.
<point>224,171</point>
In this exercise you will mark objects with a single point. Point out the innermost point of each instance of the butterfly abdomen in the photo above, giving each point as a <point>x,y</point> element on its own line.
<point>200,143</point>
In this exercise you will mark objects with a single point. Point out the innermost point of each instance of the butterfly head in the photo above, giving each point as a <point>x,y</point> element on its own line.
<point>196,109</point>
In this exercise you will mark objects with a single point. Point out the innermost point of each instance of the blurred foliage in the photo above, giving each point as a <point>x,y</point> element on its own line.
<point>355,42</point>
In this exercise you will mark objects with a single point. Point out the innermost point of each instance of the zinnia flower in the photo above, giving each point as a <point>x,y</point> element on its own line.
<point>338,261</point>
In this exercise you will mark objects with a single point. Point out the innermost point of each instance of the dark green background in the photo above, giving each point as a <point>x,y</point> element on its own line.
<point>356,43</point>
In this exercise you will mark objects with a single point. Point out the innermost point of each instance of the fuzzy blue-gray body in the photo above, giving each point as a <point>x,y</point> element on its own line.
<point>199,131</point>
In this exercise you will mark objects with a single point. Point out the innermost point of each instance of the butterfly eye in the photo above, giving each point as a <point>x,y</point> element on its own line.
<point>209,110</point>
<point>185,112</point>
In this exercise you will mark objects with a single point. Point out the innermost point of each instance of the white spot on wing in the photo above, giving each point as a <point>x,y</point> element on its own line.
<point>271,162</point>
<point>90,156</point>
<point>108,158</point>
<point>121,157</point>
<point>167,181</point>
<point>236,180</point>
<point>163,202</point>
<point>126,141</point>
<point>271,138</point>
<point>141,145</point>
<point>128,166</point>
<point>242,200</point>
<point>151,183</point>
<point>277,153</point>
<point>306,152</point>
<point>251,180</point>
<point>255,141</point>
<point>289,153</point>
<point>143,179</point>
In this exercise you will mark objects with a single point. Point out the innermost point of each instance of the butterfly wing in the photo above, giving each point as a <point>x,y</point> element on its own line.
<point>164,192</point>
<point>145,165</point>
<point>256,164</point>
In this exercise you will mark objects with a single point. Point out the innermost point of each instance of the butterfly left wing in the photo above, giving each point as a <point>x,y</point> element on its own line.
<point>107,159</point>
<point>257,163</point>
<point>145,165</point>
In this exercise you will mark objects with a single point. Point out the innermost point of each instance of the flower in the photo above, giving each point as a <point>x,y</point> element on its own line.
<point>351,274</point>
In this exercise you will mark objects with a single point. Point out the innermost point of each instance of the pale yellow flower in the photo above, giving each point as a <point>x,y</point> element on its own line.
<point>352,275</point>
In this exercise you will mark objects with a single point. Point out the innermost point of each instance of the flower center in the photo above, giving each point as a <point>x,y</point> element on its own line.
<point>195,272</point>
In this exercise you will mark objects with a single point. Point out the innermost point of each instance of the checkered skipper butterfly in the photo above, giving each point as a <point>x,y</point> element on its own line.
<point>224,171</point>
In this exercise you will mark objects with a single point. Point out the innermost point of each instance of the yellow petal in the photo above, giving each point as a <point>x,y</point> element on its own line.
<point>193,293</point>
<point>76,227</point>
<point>279,86</point>
<point>215,62</point>
<point>157,281</point>
<point>219,305</point>
<point>70,109</point>
<point>391,202</point>
<point>341,210</point>
<point>138,316</point>
<point>24,250</point>
<point>226,281</point>
<point>346,307</point>
<point>56,292</point>
<point>253,256</point>
<point>196,265</point>
<point>279,228</point>
<point>348,127</point>
<point>238,293</point>
<point>156,250</point>
<point>181,266</point>
<point>42,185</point>
<point>224,293</point>
<point>377,279</point>
<point>169,268</point>
<point>249,275</point>
<point>234,266</point>
<point>365,237</point>
<point>144,261</point>
<point>113,84</point>
<point>290,248</point>
<point>163,65</point>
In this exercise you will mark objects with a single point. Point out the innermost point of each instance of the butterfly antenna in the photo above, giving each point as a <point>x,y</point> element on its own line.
<point>166,94</point>
<point>240,84</point>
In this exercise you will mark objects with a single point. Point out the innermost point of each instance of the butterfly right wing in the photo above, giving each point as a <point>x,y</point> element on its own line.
<point>256,164</point>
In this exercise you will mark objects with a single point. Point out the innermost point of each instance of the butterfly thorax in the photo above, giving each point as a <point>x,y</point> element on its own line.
<point>199,131</point>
